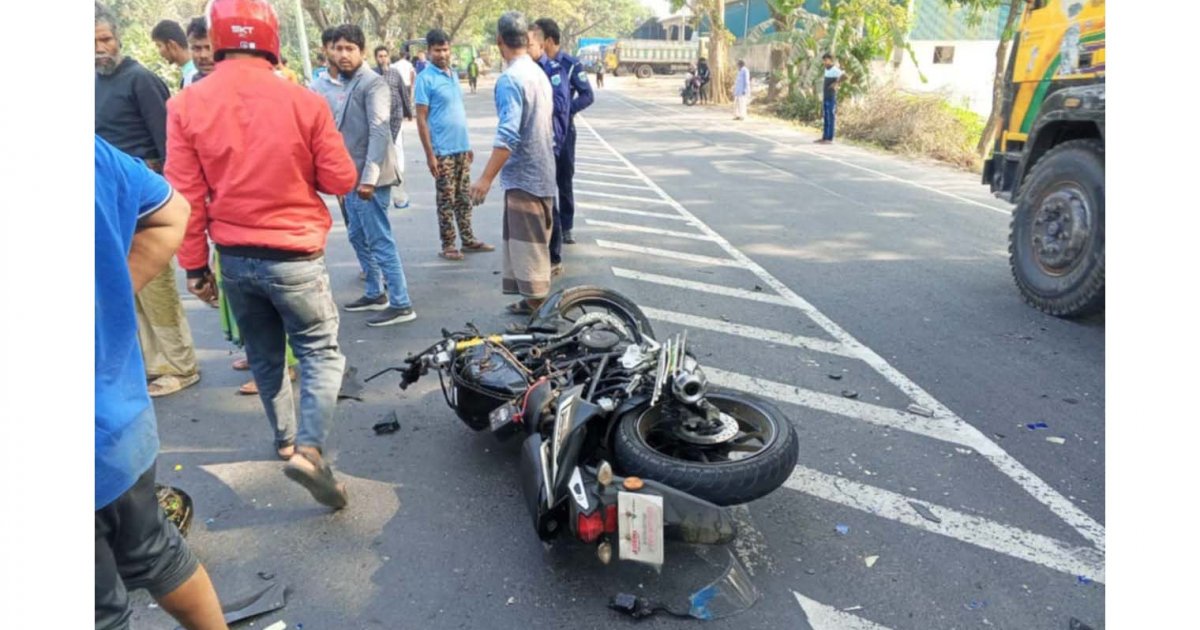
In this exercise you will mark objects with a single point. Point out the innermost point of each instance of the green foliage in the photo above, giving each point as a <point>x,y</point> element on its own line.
<point>917,124</point>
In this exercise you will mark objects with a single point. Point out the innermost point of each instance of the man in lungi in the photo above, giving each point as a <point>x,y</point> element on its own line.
<point>523,156</point>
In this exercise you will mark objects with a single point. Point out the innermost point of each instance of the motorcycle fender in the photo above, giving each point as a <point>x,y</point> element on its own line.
<point>533,484</point>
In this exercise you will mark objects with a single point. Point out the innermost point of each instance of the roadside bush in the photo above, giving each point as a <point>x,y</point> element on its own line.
<point>916,124</point>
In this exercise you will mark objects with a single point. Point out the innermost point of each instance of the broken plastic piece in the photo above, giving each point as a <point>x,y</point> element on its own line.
<point>1056,440</point>
<point>266,575</point>
<point>1083,579</point>
<point>391,424</point>
<point>836,377</point>
<point>870,561</point>
<point>842,529</point>
<point>632,605</point>
<point>1076,624</point>
<point>1034,426</point>
<point>920,411</point>
<point>849,393</point>
<point>278,625</point>
<point>975,604</point>
<point>925,512</point>
<point>269,599</point>
<point>730,594</point>
<point>351,387</point>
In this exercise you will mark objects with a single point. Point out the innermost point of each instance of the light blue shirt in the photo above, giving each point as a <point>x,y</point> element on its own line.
<point>525,106</point>
<point>440,92</point>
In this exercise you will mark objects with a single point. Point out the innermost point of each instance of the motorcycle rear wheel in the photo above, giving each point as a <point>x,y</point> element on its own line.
<point>722,480</point>
<point>576,302</point>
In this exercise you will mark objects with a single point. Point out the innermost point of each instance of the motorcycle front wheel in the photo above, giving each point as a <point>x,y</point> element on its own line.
<point>570,305</point>
<point>751,465</point>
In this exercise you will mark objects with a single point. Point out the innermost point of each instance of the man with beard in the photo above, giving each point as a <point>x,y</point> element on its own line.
<point>131,114</point>
<point>401,109</point>
<point>200,47</point>
<point>361,104</point>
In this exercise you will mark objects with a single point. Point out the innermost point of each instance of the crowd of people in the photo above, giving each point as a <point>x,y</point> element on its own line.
<point>229,176</point>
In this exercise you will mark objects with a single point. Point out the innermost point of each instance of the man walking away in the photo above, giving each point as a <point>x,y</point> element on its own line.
<point>705,74</point>
<point>442,125</point>
<point>362,108</point>
<point>572,94</point>
<point>139,223</point>
<point>407,71</point>
<point>131,114</point>
<point>200,47</point>
<point>523,156</point>
<point>833,80</point>
<point>401,110</point>
<point>473,73</point>
<point>172,44</point>
<point>250,152</point>
<point>741,91</point>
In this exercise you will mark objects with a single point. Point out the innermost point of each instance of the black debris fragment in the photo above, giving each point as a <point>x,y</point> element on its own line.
<point>266,575</point>
<point>836,377</point>
<point>925,512</point>
<point>390,424</point>
<point>849,393</point>
<point>1076,624</point>
<point>352,388</point>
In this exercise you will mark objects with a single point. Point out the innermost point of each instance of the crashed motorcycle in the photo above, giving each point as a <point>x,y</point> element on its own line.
<point>624,442</point>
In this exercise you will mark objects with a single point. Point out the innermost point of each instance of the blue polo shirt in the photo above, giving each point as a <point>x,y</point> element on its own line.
<point>440,92</point>
<point>126,431</point>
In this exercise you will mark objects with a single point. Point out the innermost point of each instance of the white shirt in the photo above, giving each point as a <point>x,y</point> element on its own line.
<point>406,69</point>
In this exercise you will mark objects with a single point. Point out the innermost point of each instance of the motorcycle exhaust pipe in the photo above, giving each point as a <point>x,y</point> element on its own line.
<point>689,384</point>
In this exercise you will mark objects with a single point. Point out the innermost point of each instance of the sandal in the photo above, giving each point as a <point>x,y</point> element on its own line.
<point>451,254</point>
<point>251,386</point>
<point>318,480</point>
<point>478,246</point>
<point>285,451</point>
<point>170,384</point>
<point>241,364</point>
<point>521,307</point>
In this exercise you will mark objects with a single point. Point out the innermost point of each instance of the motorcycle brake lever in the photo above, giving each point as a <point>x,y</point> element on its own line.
<point>381,373</point>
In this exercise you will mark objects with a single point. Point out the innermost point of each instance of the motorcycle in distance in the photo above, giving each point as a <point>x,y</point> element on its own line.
<point>624,443</point>
<point>691,89</point>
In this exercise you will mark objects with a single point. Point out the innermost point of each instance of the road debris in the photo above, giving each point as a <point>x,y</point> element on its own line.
<point>1083,580</point>
<point>925,512</point>
<point>842,529</point>
<point>852,608</point>
<point>975,604</point>
<point>1056,440</point>
<point>919,410</point>
<point>278,625</point>
<point>870,561</point>
<point>352,388</point>
<point>1034,426</point>
<point>836,377</point>
<point>758,288</point>
<point>511,601</point>
<point>849,393</point>
<point>178,467</point>
<point>1076,624</point>
<point>390,424</point>
<point>266,575</point>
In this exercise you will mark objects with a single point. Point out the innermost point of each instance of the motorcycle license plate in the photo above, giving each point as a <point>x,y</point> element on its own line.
<point>640,527</point>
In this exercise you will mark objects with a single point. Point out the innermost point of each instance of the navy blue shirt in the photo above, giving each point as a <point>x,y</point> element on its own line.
<point>572,92</point>
<point>126,432</point>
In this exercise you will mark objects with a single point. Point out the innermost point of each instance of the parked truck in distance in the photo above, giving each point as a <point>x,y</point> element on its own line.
<point>647,57</point>
<point>1049,157</point>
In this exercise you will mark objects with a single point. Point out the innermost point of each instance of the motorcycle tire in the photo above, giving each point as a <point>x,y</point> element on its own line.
<point>690,100</point>
<point>722,483</point>
<point>613,302</point>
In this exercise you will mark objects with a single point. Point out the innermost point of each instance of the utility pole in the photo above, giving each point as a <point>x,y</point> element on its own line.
<point>303,42</point>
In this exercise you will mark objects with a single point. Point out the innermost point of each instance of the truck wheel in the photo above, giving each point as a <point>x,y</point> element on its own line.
<point>1056,241</point>
<point>644,71</point>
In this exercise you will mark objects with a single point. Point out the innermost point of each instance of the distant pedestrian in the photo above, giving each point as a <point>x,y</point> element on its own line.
<point>401,110</point>
<point>131,114</point>
<point>420,63</point>
<point>407,72</point>
<point>139,223</point>
<point>251,152</point>
<point>705,75</point>
<point>833,80</point>
<point>361,102</point>
<point>442,125</point>
<point>600,73</point>
<point>172,45</point>
<point>741,91</point>
<point>320,68</point>
<point>286,72</point>
<point>473,73</point>
<point>572,94</point>
<point>200,48</point>
<point>523,157</point>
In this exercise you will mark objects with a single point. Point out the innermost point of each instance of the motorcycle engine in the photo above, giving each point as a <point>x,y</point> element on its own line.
<point>599,339</point>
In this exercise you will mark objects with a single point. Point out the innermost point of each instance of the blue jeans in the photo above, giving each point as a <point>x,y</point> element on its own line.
<point>274,301</point>
<point>371,236</point>
<point>830,113</point>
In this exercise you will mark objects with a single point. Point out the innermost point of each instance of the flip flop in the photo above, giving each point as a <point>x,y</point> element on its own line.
<point>241,364</point>
<point>521,307</point>
<point>285,451</point>
<point>318,480</point>
<point>451,254</point>
<point>170,384</point>
<point>478,246</point>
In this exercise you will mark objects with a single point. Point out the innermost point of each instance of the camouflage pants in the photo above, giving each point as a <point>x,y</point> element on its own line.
<point>454,198</point>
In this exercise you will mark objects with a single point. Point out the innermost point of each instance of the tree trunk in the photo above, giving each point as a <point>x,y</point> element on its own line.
<point>718,53</point>
<point>999,84</point>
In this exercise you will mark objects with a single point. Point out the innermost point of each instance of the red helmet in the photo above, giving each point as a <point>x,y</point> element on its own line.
<point>242,25</point>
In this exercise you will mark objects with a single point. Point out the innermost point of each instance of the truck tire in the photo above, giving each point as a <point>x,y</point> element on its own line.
<point>1056,239</point>
<point>644,71</point>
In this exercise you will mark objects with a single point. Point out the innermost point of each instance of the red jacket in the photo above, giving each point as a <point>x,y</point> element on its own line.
<point>249,151</point>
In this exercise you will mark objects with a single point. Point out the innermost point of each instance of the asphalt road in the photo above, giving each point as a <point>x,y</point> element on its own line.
<point>803,272</point>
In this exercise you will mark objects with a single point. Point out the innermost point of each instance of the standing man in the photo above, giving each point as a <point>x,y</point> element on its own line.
<point>401,110</point>
<point>442,125</point>
<point>407,72</point>
<point>172,45</point>
<point>250,153</point>
<point>572,94</point>
<point>523,156</point>
<point>420,63</point>
<point>200,47</point>
<point>131,114</point>
<point>600,71</point>
<point>833,80</point>
<point>362,108</point>
<point>705,74</point>
<point>473,73</point>
<point>139,223</point>
<point>741,91</point>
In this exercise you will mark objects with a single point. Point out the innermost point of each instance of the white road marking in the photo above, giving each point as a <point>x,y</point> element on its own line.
<point>1060,505</point>
<point>625,197</point>
<point>823,617</point>
<point>791,146</point>
<point>715,289</point>
<point>749,332</point>
<point>668,253</point>
<point>593,158</point>
<point>647,230</point>
<point>615,167</point>
<point>750,545</point>
<point>839,406</point>
<point>580,171</point>
<point>610,184</point>
<point>640,213</point>
<point>975,530</point>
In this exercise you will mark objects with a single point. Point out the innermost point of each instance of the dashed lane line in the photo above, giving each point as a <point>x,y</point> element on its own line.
<point>669,253</point>
<point>612,225</point>
<point>625,197</point>
<point>692,285</point>
<point>749,332</point>
<point>586,205</point>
